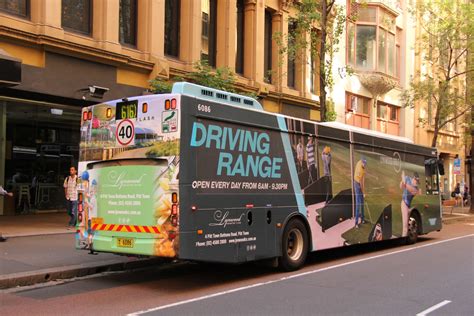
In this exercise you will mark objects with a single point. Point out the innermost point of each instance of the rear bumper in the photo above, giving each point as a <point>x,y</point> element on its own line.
<point>142,245</point>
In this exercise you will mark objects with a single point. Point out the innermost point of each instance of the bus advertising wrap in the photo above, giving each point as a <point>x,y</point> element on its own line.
<point>232,158</point>
<point>179,176</point>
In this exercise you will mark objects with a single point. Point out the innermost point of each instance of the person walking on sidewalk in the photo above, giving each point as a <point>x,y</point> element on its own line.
<point>4,192</point>
<point>70,191</point>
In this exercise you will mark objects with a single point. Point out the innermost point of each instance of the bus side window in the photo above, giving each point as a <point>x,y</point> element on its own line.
<point>431,174</point>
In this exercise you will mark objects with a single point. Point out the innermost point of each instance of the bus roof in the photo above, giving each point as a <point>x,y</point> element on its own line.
<point>360,130</point>
<point>220,96</point>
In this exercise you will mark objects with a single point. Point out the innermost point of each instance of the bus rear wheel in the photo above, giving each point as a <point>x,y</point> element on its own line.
<point>294,246</point>
<point>412,233</point>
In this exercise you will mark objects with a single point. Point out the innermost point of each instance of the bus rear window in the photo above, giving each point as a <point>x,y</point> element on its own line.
<point>128,162</point>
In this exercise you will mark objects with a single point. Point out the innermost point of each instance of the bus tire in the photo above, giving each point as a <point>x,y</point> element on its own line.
<point>412,233</point>
<point>294,246</point>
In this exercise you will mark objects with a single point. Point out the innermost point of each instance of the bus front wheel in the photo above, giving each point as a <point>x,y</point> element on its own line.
<point>412,234</point>
<point>294,246</point>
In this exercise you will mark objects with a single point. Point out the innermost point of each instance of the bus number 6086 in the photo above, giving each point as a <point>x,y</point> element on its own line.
<point>204,108</point>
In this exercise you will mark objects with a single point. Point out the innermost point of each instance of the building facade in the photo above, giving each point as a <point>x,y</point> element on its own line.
<point>378,48</point>
<point>452,141</point>
<point>383,49</point>
<point>65,54</point>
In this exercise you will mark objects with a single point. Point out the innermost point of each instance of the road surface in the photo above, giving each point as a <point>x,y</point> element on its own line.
<point>435,277</point>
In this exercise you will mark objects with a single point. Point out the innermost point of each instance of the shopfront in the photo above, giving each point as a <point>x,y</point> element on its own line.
<point>40,144</point>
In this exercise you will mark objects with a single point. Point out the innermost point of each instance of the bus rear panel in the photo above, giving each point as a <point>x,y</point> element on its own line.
<point>129,165</point>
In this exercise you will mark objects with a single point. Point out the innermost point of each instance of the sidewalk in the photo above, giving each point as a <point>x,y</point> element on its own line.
<point>34,224</point>
<point>40,248</point>
<point>456,213</point>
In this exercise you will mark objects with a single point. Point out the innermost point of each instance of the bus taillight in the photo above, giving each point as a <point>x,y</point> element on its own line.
<point>194,208</point>
<point>174,209</point>
<point>174,220</point>
<point>173,104</point>
<point>167,104</point>
<point>84,116</point>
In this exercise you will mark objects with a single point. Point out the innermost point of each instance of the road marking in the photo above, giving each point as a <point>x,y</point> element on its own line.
<point>433,308</point>
<point>204,297</point>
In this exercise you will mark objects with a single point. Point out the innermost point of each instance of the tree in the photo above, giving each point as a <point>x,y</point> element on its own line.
<point>222,78</point>
<point>319,25</point>
<point>446,27</point>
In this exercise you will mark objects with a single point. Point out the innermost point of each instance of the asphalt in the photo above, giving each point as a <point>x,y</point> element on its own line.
<point>40,248</point>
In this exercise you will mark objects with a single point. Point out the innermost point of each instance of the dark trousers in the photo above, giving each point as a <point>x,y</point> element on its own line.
<point>71,207</point>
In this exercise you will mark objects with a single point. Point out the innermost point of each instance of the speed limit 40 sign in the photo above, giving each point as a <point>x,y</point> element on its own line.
<point>125,133</point>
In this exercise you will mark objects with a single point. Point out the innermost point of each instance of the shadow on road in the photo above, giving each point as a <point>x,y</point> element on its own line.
<point>189,277</point>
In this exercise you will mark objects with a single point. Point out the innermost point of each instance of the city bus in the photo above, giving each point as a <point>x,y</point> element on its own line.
<point>207,175</point>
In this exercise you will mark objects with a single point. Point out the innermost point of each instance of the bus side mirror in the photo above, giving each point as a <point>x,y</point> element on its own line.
<point>441,168</point>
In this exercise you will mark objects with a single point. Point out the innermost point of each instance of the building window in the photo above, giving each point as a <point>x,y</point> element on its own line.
<point>209,31</point>
<point>398,55</point>
<point>16,7</point>
<point>358,110</point>
<point>382,111</point>
<point>387,112</point>
<point>394,113</point>
<point>128,22</point>
<point>291,67</point>
<point>371,43</point>
<point>172,23</point>
<point>76,16</point>
<point>388,118</point>
<point>267,54</point>
<point>239,58</point>
<point>358,104</point>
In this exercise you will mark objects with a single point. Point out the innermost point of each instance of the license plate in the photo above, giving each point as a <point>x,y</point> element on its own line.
<point>125,242</point>
<point>97,220</point>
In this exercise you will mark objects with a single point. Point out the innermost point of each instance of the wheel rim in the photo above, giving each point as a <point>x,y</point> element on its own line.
<point>412,228</point>
<point>295,244</point>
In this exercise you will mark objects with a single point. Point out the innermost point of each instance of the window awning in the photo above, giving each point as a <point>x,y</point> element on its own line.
<point>11,70</point>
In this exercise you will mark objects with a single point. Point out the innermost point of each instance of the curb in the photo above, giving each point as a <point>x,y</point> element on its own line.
<point>458,218</point>
<point>37,234</point>
<point>68,272</point>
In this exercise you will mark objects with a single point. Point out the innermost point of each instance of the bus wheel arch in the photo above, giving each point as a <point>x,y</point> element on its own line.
<point>304,219</point>
<point>295,243</point>
<point>414,227</point>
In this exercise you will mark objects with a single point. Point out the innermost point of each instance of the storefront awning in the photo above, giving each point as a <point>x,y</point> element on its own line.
<point>11,70</point>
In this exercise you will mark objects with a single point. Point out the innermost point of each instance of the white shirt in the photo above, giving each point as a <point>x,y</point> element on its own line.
<point>70,184</point>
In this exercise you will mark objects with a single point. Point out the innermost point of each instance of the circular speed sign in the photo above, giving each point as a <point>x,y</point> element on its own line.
<point>125,132</point>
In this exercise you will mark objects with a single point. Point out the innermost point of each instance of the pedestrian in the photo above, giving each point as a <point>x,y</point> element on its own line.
<point>70,191</point>
<point>326,157</point>
<point>4,192</point>
<point>310,160</point>
<point>409,185</point>
<point>457,193</point>
<point>359,189</point>
<point>300,155</point>
<point>465,195</point>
